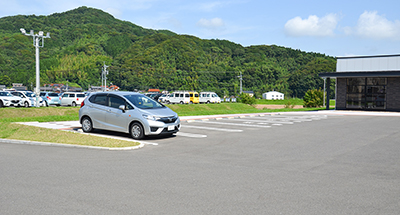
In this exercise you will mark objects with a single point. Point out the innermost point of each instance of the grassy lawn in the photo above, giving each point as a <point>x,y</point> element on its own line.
<point>294,101</point>
<point>10,130</point>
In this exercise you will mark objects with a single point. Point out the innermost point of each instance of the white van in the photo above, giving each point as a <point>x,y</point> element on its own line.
<point>179,97</point>
<point>209,97</point>
<point>72,99</point>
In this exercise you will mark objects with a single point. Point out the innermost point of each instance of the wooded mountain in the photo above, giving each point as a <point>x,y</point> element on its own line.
<point>84,38</point>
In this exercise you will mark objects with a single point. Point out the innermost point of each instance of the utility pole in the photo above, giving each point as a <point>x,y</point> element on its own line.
<point>38,42</point>
<point>324,91</point>
<point>104,74</point>
<point>241,79</point>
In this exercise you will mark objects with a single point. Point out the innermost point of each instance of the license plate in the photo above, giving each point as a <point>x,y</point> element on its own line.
<point>171,127</point>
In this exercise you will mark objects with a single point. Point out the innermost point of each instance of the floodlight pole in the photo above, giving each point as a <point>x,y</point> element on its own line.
<point>38,41</point>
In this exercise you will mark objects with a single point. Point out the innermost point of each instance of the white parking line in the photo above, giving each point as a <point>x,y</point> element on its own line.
<point>237,124</point>
<point>120,138</point>
<point>263,121</point>
<point>183,134</point>
<point>210,128</point>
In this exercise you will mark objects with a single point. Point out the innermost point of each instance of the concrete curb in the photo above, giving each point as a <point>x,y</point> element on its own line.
<point>68,145</point>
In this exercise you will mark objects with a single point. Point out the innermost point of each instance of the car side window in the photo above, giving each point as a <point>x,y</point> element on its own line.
<point>65,95</point>
<point>115,102</point>
<point>99,99</point>
<point>72,95</point>
<point>80,95</point>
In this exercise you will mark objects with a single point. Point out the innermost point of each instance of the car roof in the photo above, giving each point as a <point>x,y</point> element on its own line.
<point>121,93</point>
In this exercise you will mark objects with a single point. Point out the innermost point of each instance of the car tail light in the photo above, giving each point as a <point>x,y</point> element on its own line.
<point>48,98</point>
<point>83,103</point>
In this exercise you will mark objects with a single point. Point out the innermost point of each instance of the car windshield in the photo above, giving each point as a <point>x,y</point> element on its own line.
<point>30,94</point>
<point>5,94</point>
<point>143,102</point>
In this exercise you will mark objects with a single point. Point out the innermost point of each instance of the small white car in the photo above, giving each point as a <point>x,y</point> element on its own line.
<point>72,99</point>
<point>28,99</point>
<point>7,99</point>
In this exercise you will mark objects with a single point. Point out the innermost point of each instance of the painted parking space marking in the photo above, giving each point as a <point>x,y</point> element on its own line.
<point>119,138</point>
<point>184,134</point>
<point>237,124</point>
<point>248,121</point>
<point>212,128</point>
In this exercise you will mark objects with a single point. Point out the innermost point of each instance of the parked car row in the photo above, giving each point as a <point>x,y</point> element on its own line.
<point>189,97</point>
<point>28,99</point>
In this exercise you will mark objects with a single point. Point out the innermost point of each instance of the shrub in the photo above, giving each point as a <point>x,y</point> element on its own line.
<point>313,98</point>
<point>247,99</point>
<point>289,105</point>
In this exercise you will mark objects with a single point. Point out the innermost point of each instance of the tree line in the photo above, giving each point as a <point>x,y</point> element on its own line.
<point>83,39</point>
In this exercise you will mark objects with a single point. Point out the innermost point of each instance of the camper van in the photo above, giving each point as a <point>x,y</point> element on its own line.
<point>209,97</point>
<point>179,97</point>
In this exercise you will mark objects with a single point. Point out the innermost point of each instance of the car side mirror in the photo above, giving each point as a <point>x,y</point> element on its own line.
<point>122,107</point>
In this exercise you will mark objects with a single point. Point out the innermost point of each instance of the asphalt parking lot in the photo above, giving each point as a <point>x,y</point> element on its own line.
<point>292,163</point>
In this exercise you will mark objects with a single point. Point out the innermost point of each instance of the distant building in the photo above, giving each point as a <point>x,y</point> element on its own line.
<point>19,87</point>
<point>273,95</point>
<point>251,93</point>
<point>153,91</point>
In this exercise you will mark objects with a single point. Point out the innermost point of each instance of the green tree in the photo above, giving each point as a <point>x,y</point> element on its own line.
<point>313,98</point>
<point>5,80</point>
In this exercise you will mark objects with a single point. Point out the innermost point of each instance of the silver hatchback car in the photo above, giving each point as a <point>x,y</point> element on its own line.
<point>127,112</point>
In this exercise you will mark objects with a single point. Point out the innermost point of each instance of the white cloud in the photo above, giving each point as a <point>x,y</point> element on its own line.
<point>313,26</point>
<point>372,25</point>
<point>210,6</point>
<point>211,24</point>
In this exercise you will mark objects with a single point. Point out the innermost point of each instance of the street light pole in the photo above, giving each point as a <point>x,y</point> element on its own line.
<point>38,41</point>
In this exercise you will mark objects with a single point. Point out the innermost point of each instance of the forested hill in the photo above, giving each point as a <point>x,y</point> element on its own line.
<point>84,38</point>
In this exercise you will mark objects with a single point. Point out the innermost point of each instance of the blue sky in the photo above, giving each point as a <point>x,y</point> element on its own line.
<point>335,28</point>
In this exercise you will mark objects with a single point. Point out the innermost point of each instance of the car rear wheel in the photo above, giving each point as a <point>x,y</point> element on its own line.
<point>87,125</point>
<point>73,104</point>
<point>181,102</point>
<point>26,104</point>
<point>137,131</point>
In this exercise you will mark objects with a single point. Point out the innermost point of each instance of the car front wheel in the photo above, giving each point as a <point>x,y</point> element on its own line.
<point>87,125</point>
<point>137,131</point>
<point>26,104</point>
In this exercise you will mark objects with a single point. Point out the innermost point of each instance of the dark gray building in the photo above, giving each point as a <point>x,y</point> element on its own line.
<point>367,83</point>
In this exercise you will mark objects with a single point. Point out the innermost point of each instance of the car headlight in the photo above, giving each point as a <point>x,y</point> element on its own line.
<point>150,117</point>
